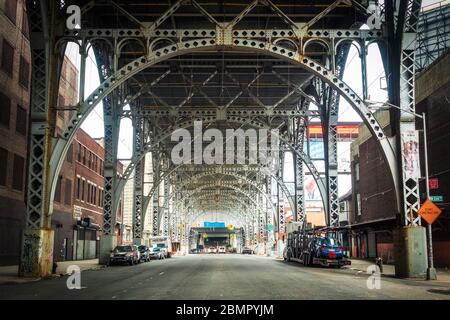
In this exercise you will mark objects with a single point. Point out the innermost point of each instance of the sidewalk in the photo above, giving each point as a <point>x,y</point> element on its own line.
<point>8,274</point>
<point>443,275</point>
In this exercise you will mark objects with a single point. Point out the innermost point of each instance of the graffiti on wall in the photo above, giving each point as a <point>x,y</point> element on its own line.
<point>30,254</point>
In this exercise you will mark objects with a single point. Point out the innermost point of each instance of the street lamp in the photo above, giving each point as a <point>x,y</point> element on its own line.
<point>431,271</point>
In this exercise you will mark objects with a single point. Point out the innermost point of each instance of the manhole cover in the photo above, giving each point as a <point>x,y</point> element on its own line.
<point>440,291</point>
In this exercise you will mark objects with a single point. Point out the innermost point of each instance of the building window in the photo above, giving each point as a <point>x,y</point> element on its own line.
<point>19,163</point>
<point>24,74</point>
<point>21,121</point>
<point>78,152</point>
<point>88,200</point>
<point>69,156</point>
<point>83,154</point>
<point>61,103</point>
<point>7,58</point>
<point>83,188</point>
<point>89,159</point>
<point>25,28</point>
<point>68,192</point>
<point>11,10</point>
<point>73,79</point>
<point>357,171</point>
<point>78,188</point>
<point>3,166</point>
<point>58,189</point>
<point>5,110</point>
<point>358,204</point>
<point>92,194</point>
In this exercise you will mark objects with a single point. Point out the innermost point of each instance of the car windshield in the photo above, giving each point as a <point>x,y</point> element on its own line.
<point>156,249</point>
<point>329,242</point>
<point>142,248</point>
<point>121,249</point>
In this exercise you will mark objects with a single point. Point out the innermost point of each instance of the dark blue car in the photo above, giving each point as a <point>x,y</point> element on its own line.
<point>329,248</point>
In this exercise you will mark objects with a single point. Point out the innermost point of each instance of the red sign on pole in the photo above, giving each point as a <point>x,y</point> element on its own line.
<point>434,183</point>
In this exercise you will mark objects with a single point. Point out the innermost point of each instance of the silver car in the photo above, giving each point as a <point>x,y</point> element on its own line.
<point>156,253</point>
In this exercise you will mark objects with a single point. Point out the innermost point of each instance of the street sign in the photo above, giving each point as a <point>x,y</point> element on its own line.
<point>77,213</point>
<point>433,184</point>
<point>429,211</point>
<point>437,198</point>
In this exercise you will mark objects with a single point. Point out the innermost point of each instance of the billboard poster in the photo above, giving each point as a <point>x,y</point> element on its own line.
<point>311,190</point>
<point>410,151</point>
<point>316,150</point>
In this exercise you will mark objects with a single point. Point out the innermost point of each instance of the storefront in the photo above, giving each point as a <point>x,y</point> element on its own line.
<point>85,240</point>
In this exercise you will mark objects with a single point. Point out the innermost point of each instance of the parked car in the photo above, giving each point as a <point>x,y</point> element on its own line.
<point>165,252</point>
<point>246,250</point>
<point>144,252</point>
<point>156,253</point>
<point>328,248</point>
<point>222,250</point>
<point>124,254</point>
<point>212,250</point>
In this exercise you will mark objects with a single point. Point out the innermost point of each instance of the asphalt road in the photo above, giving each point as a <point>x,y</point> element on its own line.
<point>230,276</point>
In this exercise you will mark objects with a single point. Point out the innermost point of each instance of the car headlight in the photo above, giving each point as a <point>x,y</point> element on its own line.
<point>111,255</point>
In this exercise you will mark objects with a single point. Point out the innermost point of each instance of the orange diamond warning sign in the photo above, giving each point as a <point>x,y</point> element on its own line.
<point>429,211</point>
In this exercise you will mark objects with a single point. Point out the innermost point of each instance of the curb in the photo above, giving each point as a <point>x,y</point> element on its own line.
<point>53,276</point>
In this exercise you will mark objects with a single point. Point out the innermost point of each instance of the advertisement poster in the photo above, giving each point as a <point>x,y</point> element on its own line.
<point>311,190</point>
<point>410,150</point>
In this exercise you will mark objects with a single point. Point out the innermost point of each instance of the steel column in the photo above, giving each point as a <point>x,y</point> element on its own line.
<point>37,240</point>
<point>138,191</point>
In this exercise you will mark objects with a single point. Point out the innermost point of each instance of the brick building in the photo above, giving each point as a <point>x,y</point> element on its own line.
<point>63,200</point>
<point>372,211</point>
<point>15,61</point>
<point>88,196</point>
<point>372,205</point>
<point>73,213</point>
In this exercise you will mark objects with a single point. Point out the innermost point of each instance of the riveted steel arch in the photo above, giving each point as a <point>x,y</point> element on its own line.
<point>244,179</point>
<point>227,184</point>
<point>233,119</point>
<point>184,47</point>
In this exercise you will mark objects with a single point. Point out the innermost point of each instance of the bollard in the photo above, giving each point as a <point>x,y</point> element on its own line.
<point>379,263</point>
<point>55,266</point>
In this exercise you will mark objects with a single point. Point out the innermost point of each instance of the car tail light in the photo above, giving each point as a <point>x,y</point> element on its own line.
<point>340,249</point>
<point>324,248</point>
